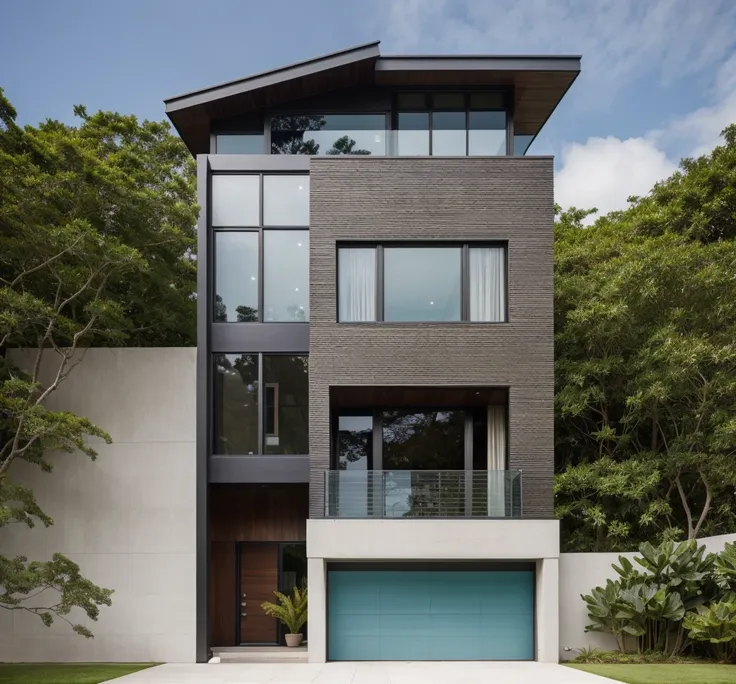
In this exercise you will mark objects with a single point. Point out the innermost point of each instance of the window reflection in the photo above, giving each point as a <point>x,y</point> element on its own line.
<point>413,134</point>
<point>448,134</point>
<point>487,134</point>
<point>236,277</point>
<point>240,143</point>
<point>422,283</point>
<point>286,275</point>
<point>236,404</point>
<point>235,200</point>
<point>329,134</point>
<point>286,200</point>
<point>286,404</point>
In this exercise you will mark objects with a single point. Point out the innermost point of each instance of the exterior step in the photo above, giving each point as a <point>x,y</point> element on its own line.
<point>261,654</point>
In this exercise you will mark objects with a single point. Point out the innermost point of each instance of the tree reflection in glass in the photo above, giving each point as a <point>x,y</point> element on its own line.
<point>331,134</point>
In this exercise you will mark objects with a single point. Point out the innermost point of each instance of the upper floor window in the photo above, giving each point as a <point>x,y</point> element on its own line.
<point>329,134</point>
<point>451,124</point>
<point>261,248</point>
<point>240,143</point>
<point>427,283</point>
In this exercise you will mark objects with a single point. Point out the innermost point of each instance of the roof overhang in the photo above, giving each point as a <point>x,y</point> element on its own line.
<point>538,82</point>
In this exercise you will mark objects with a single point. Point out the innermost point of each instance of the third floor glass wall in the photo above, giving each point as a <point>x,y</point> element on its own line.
<point>419,124</point>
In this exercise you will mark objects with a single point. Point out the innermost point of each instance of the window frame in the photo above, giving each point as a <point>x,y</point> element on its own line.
<point>261,402</point>
<point>260,228</point>
<point>312,111</point>
<point>464,245</point>
<point>508,108</point>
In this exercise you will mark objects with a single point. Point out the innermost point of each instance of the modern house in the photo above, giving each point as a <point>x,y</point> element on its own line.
<point>375,355</point>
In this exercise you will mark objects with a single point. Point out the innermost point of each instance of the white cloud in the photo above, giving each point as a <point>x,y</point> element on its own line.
<point>620,40</point>
<point>604,172</point>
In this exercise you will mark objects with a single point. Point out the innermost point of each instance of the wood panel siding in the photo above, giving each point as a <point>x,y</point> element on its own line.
<point>275,513</point>
<point>222,594</point>
<point>259,575</point>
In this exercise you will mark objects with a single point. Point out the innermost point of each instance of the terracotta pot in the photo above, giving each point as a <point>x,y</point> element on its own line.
<point>293,639</point>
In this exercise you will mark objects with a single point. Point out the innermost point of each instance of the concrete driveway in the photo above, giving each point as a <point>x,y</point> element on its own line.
<point>363,673</point>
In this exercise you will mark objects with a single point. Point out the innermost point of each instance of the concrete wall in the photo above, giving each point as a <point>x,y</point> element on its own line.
<point>581,572</point>
<point>447,540</point>
<point>429,199</point>
<point>127,519</point>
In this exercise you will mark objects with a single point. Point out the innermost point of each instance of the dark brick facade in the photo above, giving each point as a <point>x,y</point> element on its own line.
<point>503,198</point>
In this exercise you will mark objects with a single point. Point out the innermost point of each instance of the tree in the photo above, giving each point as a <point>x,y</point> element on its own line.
<point>646,363</point>
<point>345,145</point>
<point>96,248</point>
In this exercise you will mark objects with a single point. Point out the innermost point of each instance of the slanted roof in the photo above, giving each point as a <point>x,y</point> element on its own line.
<point>539,83</point>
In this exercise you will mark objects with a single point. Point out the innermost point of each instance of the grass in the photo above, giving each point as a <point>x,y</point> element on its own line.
<point>66,673</point>
<point>665,674</point>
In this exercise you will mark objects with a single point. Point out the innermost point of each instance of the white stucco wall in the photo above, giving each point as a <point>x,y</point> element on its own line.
<point>356,540</point>
<point>581,572</point>
<point>128,519</point>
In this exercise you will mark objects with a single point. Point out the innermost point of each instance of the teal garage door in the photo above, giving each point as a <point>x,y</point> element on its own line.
<point>430,615</point>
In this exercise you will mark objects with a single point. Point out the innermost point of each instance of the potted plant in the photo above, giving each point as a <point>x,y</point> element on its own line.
<point>292,611</point>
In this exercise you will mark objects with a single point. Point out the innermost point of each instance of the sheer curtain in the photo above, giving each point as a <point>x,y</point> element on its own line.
<point>357,284</point>
<point>488,284</point>
<point>497,461</point>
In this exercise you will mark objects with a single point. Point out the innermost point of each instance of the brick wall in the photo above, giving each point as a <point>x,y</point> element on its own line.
<point>503,198</point>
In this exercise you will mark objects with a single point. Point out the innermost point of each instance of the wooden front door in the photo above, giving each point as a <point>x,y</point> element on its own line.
<point>259,576</point>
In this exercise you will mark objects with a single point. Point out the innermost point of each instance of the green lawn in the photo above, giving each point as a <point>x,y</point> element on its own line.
<point>65,673</point>
<point>665,674</point>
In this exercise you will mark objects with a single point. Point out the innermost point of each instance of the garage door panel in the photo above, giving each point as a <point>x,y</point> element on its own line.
<point>430,615</point>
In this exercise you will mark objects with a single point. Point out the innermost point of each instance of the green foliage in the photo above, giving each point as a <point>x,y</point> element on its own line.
<point>725,567</point>
<point>59,577</point>
<point>715,624</point>
<point>645,369</point>
<point>291,610</point>
<point>595,655</point>
<point>97,236</point>
<point>675,594</point>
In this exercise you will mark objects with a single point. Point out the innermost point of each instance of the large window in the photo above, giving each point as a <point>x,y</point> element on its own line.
<point>451,124</point>
<point>261,247</point>
<point>329,134</point>
<point>250,420</point>
<point>460,282</point>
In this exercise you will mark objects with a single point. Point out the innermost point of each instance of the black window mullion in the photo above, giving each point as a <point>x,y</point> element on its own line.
<point>260,274</point>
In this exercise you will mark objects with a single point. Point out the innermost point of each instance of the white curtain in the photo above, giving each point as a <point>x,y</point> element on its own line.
<point>487,284</point>
<point>357,284</point>
<point>497,461</point>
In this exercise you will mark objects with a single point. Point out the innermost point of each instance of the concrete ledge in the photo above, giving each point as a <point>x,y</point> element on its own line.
<point>430,539</point>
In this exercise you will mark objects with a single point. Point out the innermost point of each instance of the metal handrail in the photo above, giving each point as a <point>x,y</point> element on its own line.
<point>423,494</point>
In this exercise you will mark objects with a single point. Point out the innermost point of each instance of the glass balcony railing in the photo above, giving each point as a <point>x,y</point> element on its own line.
<point>423,494</point>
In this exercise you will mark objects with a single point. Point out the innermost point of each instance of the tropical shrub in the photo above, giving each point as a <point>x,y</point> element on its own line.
<point>671,596</point>
<point>291,610</point>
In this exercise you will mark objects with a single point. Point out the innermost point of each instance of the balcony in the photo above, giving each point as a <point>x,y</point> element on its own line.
<point>423,494</point>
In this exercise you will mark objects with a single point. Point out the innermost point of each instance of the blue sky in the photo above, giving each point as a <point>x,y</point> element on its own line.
<point>658,81</point>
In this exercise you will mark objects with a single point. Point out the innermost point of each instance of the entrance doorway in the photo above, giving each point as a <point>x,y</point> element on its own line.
<point>262,569</point>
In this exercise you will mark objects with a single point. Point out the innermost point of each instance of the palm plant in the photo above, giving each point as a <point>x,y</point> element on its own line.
<point>291,610</point>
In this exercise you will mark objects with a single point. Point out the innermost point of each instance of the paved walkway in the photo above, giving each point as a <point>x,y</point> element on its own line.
<point>363,673</point>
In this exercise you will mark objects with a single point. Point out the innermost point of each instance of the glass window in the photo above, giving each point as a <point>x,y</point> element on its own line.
<point>240,143</point>
<point>235,200</point>
<point>487,284</point>
<point>286,404</point>
<point>448,134</point>
<point>286,275</point>
<point>412,101</point>
<point>487,134</point>
<point>449,101</point>
<point>236,404</point>
<point>286,200</point>
<point>422,283</point>
<point>489,100</point>
<point>521,144</point>
<point>236,276</point>
<point>356,283</point>
<point>329,134</point>
<point>413,134</point>
<point>427,440</point>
